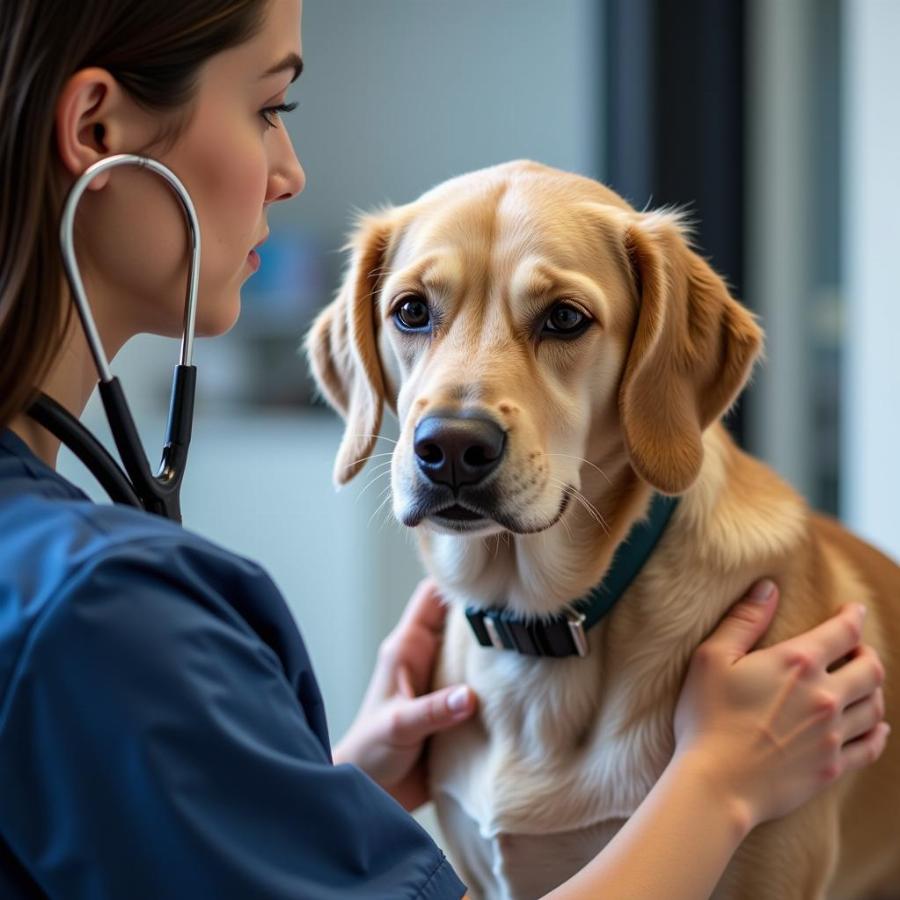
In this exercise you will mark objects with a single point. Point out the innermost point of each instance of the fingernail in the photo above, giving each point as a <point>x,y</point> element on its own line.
<point>458,700</point>
<point>762,591</point>
<point>862,609</point>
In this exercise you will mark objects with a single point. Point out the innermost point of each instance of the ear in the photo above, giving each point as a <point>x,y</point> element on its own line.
<point>342,348</point>
<point>692,352</point>
<point>89,122</point>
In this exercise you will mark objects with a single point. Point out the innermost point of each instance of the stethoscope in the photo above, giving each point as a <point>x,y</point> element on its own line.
<point>136,485</point>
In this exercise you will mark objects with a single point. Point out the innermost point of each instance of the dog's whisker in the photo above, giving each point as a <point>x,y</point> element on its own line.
<point>379,508</point>
<point>359,434</point>
<point>592,510</point>
<point>585,461</point>
<point>387,514</point>
<point>363,459</point>
<point>376,477</point>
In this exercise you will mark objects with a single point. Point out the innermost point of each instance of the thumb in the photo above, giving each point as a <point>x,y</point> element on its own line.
<point>417,718</point>
<point>746,621</point>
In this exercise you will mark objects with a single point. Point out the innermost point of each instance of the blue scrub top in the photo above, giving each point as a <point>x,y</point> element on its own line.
<point>161,730</point>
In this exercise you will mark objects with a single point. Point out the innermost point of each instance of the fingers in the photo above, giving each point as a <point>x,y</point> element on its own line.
<point>404,682</point>
<point>859,677</point>
<point>864,751</point>
<point>745,623</point>
<point>832,640</point>
<point>414,720</point>
<point>862,717</point>
<point>425,608</point>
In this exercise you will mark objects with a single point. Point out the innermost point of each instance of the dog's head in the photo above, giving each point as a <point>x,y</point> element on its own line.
<point>523,324</point>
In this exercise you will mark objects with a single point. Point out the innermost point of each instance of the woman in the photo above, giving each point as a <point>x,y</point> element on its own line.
<point>161,731</point>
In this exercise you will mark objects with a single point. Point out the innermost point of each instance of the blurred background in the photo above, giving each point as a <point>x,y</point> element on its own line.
<point>775,122</point>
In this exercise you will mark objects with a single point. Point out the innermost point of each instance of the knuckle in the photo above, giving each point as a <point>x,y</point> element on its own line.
<point>832,742</point>
<point>746,612</point>
<point>436,712</point>
<point>801,660</point>
<point>825,705</point>
<point>852,628</point>
<point>705,656</point>
<point>394,724</point>
<point>388,650</point>
<point>873,751</point>
<point>830,772</point>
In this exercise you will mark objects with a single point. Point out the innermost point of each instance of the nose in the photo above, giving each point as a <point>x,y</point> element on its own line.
<point>457,451</point>
<point>286,175</point>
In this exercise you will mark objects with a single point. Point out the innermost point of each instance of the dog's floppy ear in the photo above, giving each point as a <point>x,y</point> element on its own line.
<point>342,349</point>
<point>692,351</point>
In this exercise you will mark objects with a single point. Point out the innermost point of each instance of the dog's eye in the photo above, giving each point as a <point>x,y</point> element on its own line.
<point>565,321</point>
<point>413,314</point>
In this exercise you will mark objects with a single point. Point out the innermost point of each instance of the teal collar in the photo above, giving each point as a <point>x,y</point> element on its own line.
<point>564,634</point>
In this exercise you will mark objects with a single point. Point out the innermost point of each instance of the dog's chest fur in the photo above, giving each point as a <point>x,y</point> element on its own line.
<point>572,746</point>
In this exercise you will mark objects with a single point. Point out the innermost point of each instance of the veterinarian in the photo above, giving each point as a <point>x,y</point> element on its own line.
<point>161,730</point>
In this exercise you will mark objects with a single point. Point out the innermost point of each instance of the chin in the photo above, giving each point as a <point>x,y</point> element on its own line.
<point>220,320</point>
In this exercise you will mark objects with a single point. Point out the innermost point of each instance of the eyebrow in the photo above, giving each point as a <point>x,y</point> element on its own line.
<point>291,61</point>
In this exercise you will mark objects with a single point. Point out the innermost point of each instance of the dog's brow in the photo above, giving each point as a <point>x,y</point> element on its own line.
<point>539,280</point>
<point>436,280</point>
<point>431,272</point>
<point>538,284</point>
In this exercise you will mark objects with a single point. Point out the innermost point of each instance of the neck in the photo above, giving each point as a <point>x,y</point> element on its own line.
<point>538,574</point>
<point>70,382</point>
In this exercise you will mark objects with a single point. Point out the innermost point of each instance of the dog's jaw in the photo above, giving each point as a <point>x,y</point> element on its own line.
<point>532,574</point>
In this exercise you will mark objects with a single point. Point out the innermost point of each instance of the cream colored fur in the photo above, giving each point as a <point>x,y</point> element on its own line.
<point>564,750</point>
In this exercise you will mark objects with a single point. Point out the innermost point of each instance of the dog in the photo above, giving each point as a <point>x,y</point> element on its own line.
<point>559,363</point>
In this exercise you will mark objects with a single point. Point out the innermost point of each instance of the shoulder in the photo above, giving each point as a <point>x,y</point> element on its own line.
<point>125,584</point>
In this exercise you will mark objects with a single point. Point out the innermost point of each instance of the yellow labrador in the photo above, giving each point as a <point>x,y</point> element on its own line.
<point>558,363</point>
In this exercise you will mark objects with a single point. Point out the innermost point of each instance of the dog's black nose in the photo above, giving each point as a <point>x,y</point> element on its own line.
<point>455,451</point>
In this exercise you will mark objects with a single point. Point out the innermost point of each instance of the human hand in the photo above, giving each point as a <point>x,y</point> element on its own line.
<point>387,738</point>
<point>774,726</point>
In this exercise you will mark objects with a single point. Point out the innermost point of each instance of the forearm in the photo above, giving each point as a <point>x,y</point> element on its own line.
<point>676,846</point>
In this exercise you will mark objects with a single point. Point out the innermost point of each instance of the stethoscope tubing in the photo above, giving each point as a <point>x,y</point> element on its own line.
<point>158,493</point>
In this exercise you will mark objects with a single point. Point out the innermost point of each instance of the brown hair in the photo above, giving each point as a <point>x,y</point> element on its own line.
<point>154,49</point>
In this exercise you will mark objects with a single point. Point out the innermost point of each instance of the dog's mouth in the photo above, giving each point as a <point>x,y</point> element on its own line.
<point>459,513</point>
<point>463,517</point>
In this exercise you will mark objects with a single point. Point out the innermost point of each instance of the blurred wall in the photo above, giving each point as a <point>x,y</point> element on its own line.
<point>871,234</point>
<point>401,94</point>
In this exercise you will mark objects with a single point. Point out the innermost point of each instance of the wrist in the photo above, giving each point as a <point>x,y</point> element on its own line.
<point>715,792</point>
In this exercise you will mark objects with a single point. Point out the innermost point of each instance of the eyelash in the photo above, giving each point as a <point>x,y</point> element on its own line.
<point>274,112</point>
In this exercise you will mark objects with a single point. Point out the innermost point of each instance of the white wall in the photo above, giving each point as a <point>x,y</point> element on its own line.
<point>398,95</point>
<point>871,400</point>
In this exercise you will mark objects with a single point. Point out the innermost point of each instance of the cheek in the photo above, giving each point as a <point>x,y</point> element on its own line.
<point>226,173</point>
<point>136,246</point>
<point>390,367</point>
<point>229,194</point>
<point>579,390</point>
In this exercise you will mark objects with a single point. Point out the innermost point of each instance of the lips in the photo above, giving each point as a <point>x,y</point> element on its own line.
<point>459,513</point>
<point>458,517</point>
